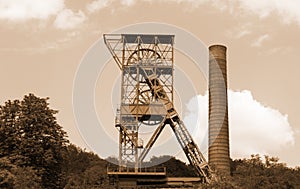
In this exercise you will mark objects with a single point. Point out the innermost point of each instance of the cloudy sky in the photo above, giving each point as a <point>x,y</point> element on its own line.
<point>43,43</point>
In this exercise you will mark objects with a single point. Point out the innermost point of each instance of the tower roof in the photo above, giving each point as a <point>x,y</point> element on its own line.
<point>148,38</point>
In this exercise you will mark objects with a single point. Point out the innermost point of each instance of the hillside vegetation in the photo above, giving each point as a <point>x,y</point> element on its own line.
<point>35,153</point>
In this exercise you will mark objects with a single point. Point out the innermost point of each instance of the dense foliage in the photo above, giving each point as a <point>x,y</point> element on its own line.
<point>256,173</point>
<point>84,169</point>
<point>31,143</point>
<point>174,167</point>
<point>34,153</point>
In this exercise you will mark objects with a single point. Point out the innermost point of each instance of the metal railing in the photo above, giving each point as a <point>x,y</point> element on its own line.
<point>143,170</point>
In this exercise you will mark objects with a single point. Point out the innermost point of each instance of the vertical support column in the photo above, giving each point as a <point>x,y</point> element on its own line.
<point>218,155</point>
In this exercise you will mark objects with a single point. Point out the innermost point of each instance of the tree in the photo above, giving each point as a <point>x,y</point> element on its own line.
<point>26,177</point>
<point>13,176</point>
<point>42,139</point>
<point>9,128</point>
<point>84,169</point>
<point>31,136</point>
<point>254,173</point>
<point>6,176</point>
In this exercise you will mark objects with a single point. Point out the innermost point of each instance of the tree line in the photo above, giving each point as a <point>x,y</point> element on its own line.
<point>36,153</point>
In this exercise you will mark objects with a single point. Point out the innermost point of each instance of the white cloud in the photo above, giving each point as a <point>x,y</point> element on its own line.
<point>261,8</point>
<point>128,2</point>
<point>97,5</point>
<point>240,31</point>
<point>22,10</point>
<point>258,42</point>
<point>254,128</point>
<point>288,10</point>
<point>67,19</point>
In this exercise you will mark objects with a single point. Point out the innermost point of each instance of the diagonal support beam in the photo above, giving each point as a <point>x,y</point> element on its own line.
<point>184,138</point>
<point>152,140</point>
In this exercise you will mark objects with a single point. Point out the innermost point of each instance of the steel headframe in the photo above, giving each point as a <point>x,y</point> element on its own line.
<point>137,55</point>
<point>146,63</point>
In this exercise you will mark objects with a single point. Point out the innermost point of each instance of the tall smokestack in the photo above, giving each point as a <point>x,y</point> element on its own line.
<point>218,152</point>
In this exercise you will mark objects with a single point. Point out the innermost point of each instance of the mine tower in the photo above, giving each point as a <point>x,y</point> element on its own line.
<point>147,95</point>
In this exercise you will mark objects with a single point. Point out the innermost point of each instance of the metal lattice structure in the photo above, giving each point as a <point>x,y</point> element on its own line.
<point>146,63</point>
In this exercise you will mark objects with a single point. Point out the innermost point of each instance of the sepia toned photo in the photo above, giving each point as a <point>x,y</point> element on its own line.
<point>138,94</point>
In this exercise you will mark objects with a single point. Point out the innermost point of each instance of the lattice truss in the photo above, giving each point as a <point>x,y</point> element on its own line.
<point>146,62</point>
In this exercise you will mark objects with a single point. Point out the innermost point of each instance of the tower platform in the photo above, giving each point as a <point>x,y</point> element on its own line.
<point>129,178</point>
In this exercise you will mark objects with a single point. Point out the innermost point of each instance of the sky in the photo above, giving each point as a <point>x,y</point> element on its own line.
<point>43,43</point>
